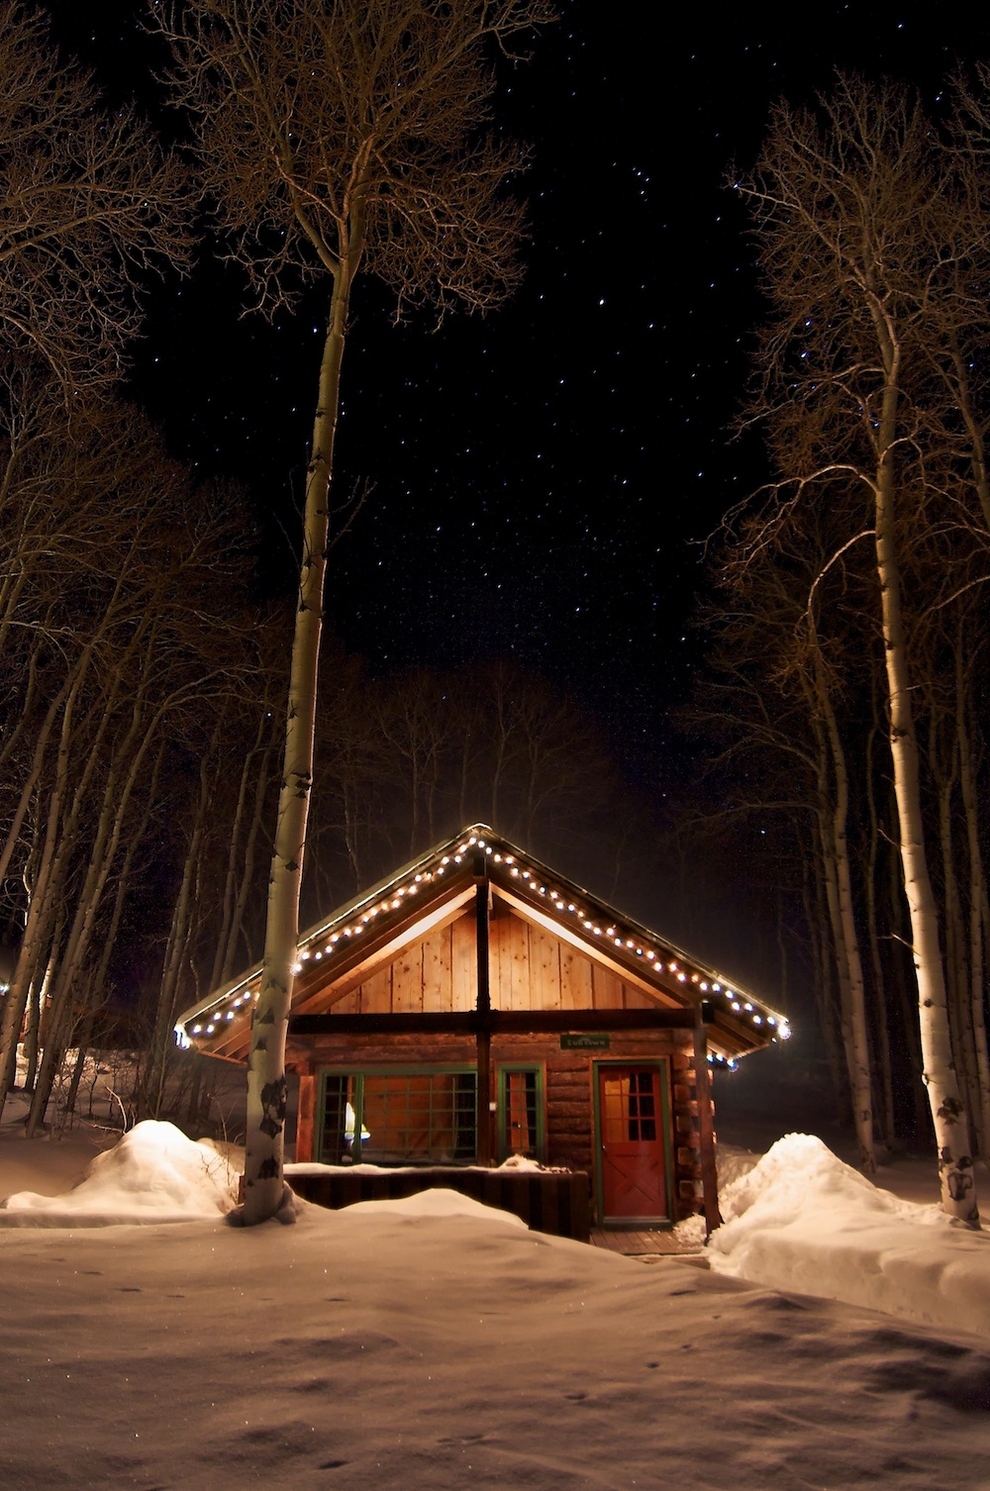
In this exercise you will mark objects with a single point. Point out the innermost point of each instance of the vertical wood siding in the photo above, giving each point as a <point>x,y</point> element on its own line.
<point>530,970</point>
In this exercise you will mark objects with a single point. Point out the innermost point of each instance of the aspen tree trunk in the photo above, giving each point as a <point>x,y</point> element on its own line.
<point>32,1036</point>
<point>63,817</point>
<point>955,1164</point>
<point>876,962</point>
<point>37,999</point>
<point>22,722</point>
<point>237,931</point>
<point>30,781</point>
<point>854,1031</point>
<point>907,996</point>
<point>73,1093</point>
<point>978,460</point>
<point>817,923</point>
<point>264,1188</point>
<point>40,912</point>
<point>977,896</point>
<point>134,841</point>
<point>175,948</point>
<point>233,857</point>
<point>956,971</point>
<point>116,800</point>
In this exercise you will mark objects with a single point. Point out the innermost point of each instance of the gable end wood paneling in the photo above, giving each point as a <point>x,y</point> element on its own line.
<point>531,969</point>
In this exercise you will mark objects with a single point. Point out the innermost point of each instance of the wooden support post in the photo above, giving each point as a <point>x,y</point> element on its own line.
<point>706,1124</point>
<point>306,1117</point>
<point>486,1125</point>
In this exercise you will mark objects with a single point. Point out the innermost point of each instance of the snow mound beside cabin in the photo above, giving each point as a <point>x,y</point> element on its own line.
<point>438,1201</point>
<point>154,1174</point>
<point>803,1220</point>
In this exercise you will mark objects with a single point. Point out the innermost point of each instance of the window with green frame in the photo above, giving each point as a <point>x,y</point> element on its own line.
<point>400,1116</point>
<point>521,1112</point>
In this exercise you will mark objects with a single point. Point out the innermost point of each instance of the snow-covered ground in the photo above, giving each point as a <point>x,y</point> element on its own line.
<point>802,1220</point>
<point>433,1343</point>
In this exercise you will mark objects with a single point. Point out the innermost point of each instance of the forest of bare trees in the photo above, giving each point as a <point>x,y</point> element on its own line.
<point>849,683</point>
<point>160,807</point>
<point>335,141</point>
<point>143,684</point>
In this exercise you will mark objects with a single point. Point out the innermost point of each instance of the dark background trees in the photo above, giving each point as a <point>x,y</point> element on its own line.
<point>548,524</point>
<point>852,631</point>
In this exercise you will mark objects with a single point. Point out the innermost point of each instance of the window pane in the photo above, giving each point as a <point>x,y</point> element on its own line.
<point>338,1119</point>
<point>420,1117</point>
<point>520,1099</point>
<point>628,1107</point>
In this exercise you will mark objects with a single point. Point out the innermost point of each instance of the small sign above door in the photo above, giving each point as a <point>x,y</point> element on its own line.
<point>585,1042</point>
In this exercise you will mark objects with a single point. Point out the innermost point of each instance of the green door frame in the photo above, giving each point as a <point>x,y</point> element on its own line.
<point>503,1068</point>
<point>660,1064</point>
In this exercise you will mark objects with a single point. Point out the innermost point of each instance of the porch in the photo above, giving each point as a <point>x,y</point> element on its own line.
<point>634,1244</point>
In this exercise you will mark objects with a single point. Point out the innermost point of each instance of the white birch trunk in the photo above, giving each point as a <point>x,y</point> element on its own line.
<point>264,1187</point>
<point>234,855</point>
<point>955,1164</point>
<point>116,799</point>
<point>976,899</point>
<point>855,1035</point>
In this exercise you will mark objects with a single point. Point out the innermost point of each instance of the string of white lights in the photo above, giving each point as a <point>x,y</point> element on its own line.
<point>213,1017</point>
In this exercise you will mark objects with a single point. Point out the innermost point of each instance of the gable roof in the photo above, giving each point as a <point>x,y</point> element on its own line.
<point>373,927</point>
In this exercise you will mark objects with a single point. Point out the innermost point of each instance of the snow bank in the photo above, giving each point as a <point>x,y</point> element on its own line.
<point>155,1174</point>
<point>454,1354</point>
<point>439,1201</point>
<point>804,1221</point>
<point>513,1163</point>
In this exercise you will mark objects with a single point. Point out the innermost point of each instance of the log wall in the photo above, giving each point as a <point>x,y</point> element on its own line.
<point>568,1088</point>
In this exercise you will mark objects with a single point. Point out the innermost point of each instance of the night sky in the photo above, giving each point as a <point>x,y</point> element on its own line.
<point>540,479</point>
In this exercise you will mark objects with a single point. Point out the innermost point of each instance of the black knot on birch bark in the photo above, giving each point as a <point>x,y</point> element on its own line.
<point>959,1185</point>
<point>273,1102</point>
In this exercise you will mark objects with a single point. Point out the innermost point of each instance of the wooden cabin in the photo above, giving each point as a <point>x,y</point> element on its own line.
<point>477,1005</point>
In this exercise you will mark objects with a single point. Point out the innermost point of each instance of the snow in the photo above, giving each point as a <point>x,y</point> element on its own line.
<point>387,1345</point>
<point>515,1162</point>
<point>436,1202</point>
<point>155,1174</point>
<point>803,1220</point>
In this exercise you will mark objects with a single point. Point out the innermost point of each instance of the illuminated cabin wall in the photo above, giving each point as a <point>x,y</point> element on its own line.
<point>529,969</point>
<point>568,1087</point>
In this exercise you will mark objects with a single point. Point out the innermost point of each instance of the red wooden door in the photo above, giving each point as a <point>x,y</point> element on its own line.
<point>631,1119</point>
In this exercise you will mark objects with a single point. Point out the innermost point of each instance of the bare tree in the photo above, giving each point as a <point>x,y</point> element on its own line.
<point>88,203</point>
<point>862,223</point>
<point>780,680</point>
<point>119,610</point>
<point>334,138</point>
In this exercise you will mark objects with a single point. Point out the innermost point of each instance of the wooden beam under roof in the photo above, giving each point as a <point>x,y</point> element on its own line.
<point>498,1022</point>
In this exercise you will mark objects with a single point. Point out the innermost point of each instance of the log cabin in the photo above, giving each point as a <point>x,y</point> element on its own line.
<point>477,1005</point>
